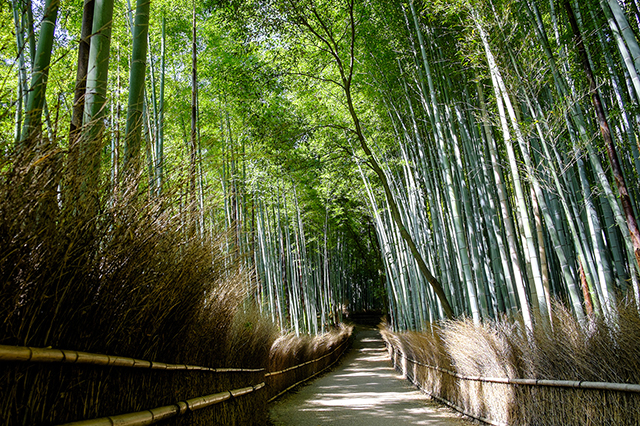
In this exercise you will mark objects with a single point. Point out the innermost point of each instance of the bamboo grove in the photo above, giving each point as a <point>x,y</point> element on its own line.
<point>508,190</point>
<point>435,159</point>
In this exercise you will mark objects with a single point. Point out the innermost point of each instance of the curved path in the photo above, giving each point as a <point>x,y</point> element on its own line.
<point>363,390</point>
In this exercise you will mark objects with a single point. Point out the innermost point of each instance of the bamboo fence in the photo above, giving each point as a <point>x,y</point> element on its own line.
<point>578,384</point>
<point>274,373</point>
<point>155,415</point>
<point>151,416</point>
<point>295,367</point>
<point>569,384</point>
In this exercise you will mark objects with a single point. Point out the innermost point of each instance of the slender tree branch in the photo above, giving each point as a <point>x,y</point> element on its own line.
<point>314,77</point>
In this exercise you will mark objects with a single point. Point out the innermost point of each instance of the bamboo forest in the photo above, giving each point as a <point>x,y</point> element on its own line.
<point>227,186</point>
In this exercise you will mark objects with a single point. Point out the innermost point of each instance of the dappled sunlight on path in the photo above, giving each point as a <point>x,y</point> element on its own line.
<point>363,390</point>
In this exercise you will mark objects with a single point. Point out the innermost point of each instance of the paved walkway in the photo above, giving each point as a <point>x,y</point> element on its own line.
<point>363,390</point>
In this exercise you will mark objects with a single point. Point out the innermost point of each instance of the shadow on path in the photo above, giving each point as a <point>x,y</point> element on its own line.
<point>363,390</point>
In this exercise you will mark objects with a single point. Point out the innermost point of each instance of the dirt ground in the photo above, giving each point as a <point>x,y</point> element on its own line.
<point>363,390</point>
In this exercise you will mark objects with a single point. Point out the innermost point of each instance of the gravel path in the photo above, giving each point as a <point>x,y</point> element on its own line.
<point>363,390</point>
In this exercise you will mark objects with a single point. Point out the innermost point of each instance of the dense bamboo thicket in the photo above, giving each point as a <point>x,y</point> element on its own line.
<point>101,254</point>
<point>491,145</point>
<point>306,281</point>
<point>171,100</point>
<point>599,351</point>
<point>492,142</point>
<point>514,173</point>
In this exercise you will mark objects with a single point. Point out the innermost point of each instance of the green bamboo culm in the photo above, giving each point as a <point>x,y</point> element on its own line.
<point>96,94</point>
<point>95,100</point>
<point>160,139</point>
<point>22,70</point>
<point>136,88</point>
<point>37,90</point>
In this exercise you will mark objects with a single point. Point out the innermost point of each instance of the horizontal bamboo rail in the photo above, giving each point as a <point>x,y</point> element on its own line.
<point>454,406</point>
<point>273,373</point>
<point>578,384</point>
<point>433,395</point>
<point>30,354</point>
<point>155,415</point>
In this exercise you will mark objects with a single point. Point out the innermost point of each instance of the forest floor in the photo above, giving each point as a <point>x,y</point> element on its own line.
<point>363,390</point>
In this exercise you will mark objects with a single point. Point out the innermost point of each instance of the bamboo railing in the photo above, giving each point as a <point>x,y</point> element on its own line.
<point>155,415</point>
<point>50,355</point>
<point>30,354</point>
<point>573,384</point>
<point>274,373</point>
<point>146,417</point>
<point>579,384</point>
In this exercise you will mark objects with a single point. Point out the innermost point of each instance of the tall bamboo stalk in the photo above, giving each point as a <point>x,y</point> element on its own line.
<point>133,132</point>
<point>159,170</point>
<point>37,89</point>
<point>81,75</point>
<point>606,134</point>
<point>22,69</point>
<point>88,171</point>
<point>194,119</point>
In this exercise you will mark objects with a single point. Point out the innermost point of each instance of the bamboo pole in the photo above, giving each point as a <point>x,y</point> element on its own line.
<point>160,140</point>
<point>81,75</point>
<point>155,415</point>
<point>136,100</point>
<point>576,384</point>
<point>30,354</point>
<point>41,59</point>
<point>23,89</point>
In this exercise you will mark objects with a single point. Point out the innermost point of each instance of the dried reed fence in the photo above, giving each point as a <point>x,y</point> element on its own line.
<point>326,349</point>
<point>296,359</point>
<point>578,374</point>
<point>130,278</point>
<point>12,356</point>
